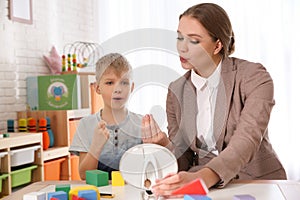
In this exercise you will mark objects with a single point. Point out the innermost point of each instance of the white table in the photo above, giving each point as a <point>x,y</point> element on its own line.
<point>261,190</point>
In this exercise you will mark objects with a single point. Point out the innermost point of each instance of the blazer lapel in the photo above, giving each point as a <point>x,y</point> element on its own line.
<point>224,96</point>
<point>189,112</point>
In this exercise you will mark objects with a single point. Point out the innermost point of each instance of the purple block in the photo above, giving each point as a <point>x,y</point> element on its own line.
<point>243,197</point>
<point>196,197</point>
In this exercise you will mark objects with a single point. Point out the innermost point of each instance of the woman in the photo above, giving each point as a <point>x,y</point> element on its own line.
<point>218,112</point>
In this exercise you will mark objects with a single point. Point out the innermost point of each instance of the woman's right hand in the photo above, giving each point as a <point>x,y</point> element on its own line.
<point>151,132</point>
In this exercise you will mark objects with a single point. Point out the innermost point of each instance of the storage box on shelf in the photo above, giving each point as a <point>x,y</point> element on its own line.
<point>63,125</point>
<point>60,92</point>
<point>52,169</point>
<point>21,156</point>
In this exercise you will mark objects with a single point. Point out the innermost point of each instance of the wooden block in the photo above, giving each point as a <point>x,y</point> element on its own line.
<point>96,177</point>
<point>88,194</point>
<point>196,197</point>
<point>117,179</point>
<point>61,195</point>
<point>74,191</point>
<point>243,197</point>
<point>195,187</point>
<point>74,197</point>
<point>66,188</point>
<point>35,196</point>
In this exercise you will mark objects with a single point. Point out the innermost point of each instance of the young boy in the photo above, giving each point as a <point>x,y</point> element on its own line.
<point>102,138</point>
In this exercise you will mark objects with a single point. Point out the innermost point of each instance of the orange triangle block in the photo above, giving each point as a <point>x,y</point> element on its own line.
<point>194,187</point>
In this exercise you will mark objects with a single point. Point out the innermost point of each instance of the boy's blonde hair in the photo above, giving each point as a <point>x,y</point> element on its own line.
<point>112,61</point>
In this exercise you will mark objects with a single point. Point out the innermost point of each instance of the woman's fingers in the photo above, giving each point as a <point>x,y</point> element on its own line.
<point>152,126</point>
<point>146,129</point>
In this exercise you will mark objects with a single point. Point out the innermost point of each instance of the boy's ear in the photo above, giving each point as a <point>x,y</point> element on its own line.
<point>132,86</point>
<point>97,88</point>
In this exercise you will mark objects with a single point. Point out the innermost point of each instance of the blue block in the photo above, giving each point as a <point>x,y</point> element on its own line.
<point>61,195</point>
<point>87,194</point>
<point>196,197</point>
<point>243,197</point>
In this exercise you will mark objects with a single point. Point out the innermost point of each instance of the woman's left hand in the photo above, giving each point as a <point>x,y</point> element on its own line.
<point>165,186</point>
<point>151,132</point>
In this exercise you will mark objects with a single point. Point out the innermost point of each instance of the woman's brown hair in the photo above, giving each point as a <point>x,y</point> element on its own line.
<point>216,21</point>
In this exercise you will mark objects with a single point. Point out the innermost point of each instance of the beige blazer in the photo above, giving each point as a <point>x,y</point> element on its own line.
<point>243,106</point>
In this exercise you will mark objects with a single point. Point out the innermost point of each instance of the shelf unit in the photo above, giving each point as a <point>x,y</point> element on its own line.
<point>19,141</point>
<point>61,125</point>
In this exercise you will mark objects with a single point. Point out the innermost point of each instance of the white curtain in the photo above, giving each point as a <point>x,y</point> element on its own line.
<point>266,32</point>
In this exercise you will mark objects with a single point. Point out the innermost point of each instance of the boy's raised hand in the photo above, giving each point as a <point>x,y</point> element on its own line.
<point>101,135</point>
<point>151,132</point>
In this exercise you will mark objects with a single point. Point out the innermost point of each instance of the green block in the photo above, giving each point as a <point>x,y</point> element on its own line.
<point>66,188</point>
<point>96,177</point>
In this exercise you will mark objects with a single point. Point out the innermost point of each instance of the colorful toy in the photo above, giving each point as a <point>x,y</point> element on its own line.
<point>74,62</point>
<point>53,61</point>
<point>195,187</point>
<point>31,125</point>
<point>43,129</point>
<point>83,54</point>
<point>61,195</point>
<point>117,179</point>
<point>74,197</point>
<point>66,188</point>
<point>35,196</point>
<point>243,197</point>
<point>10,125</point>
<point>96,177</point>
<point>50,133</point>
<point>63,63</point>
<point>74,191</point>
<point>88,194</point>
<point>22,125</point>
<point>196,197</point>
<point>69,62</point>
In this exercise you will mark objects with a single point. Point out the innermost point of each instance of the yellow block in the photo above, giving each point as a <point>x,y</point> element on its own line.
<point>74,191</point>
<point>117,179</point>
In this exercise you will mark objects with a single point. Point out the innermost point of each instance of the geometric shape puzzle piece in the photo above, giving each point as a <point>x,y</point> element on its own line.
<point>196,197</point>
<point>88,194</point>
<point>117,179</point>
<point>243,197</point>
<point>74,197</point>
<point>96,177</point>
<point>66,188</point>
<point>195,187</point>
<point>61,195</point>
<point>74,191</point>
<point>35,196</point>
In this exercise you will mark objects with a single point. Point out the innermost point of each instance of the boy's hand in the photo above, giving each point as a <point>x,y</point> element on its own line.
<point>151,132</point>
<point>101,135</point>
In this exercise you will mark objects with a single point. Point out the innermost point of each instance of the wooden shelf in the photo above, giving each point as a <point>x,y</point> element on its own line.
<point>63,125</point>
<point>73,114</point>
<point>55,152</point>
<point>19,141</point>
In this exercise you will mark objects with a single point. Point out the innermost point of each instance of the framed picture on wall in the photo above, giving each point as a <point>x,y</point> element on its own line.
<point>21,11</point>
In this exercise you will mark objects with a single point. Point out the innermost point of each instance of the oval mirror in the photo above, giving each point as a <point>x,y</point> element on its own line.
<point>142,164</point>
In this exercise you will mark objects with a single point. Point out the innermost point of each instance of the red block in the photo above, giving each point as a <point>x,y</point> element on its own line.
<point>53,198</point>
<point>194,187</point>
<point>74,197</point>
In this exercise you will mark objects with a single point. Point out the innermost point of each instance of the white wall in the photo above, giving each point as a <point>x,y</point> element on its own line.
<point>55,22</point>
